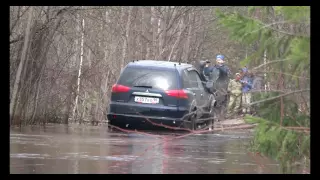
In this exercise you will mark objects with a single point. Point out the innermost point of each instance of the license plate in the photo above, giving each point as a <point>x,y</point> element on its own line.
<point>146,100</point>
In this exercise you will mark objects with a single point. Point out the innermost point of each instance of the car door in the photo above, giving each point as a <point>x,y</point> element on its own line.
<point>203,98</point>
<point>190,84</point>
<point>194,86</point>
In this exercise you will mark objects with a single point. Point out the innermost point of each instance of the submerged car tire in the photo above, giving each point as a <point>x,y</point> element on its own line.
<point>190,122</point>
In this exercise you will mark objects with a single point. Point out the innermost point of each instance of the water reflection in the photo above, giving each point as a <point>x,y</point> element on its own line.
<point>77,149</point>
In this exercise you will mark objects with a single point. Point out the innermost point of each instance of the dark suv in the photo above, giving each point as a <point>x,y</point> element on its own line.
<point>162,92</point>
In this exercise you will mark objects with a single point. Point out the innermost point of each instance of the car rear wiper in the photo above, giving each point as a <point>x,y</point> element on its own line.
<point>144,86</point>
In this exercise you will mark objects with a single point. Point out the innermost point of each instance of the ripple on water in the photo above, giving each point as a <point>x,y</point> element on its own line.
<point>73,156</point>
<point>30,135</point>
<point>29,155</point>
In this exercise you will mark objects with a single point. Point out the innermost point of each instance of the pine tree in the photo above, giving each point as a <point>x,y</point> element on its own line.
<point>284,33</point>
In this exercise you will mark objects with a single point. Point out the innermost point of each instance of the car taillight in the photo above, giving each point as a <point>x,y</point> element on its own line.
<point>177,94</point>
<point>117,88</point>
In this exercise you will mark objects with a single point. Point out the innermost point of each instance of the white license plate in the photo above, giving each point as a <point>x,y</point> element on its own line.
<point>146,100</point>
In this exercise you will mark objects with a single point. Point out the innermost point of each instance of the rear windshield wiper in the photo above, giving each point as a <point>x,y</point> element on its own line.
<point>144,86</point>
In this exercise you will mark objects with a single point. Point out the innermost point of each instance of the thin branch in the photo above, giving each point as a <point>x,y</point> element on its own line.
<point>270,26</point>
<point>270,62</point>
<point>276,97</point>
<point>287,74</point>
<point>265,25</point>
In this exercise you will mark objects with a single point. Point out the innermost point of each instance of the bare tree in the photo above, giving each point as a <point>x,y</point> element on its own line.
<point>21,64</point>
<point>67,62</point>
<point>79,72</point>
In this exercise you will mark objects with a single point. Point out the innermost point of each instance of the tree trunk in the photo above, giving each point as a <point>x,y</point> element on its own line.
<point>69,103</point>
<point>36,99</point>
<point>142,36</point>
<point>163,31</point>
<point>265,69</point>
<point>83,108</point>
<point>23,57</point>
<point>171,56</point>
<point>96,114</point>
<point>154,22</point>
<point>186,52</point>
<point>126,42</point>
<point>133,51</point>
<point>79,73</point>
<point>148,31</point>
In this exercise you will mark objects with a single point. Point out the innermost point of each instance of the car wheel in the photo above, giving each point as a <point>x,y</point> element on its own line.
<point>190,122</point>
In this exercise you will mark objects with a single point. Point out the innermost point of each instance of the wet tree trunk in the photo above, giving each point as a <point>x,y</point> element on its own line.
<point>36,99</point>
<point>21,64</point>
<point>83,108</point>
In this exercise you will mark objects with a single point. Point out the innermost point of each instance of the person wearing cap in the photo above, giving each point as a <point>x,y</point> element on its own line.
<point>224,69</point>
<point>200,66</point>
<point>234,90</point>
<point>246,87</point>
<point>221,84</point>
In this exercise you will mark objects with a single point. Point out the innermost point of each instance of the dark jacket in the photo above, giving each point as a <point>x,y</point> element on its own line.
<point>247,83</point>
<point>224,76</point>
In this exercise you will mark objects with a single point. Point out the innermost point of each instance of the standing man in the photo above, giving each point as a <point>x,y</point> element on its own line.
<point>221,85</point>
<point>246,87</point>
<point>207,70</point>
<point>234,89</point>
<point>224,69</point>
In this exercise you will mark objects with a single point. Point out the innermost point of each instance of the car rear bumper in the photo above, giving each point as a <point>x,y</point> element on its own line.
<point>140,121</point>
<point>158,111</point>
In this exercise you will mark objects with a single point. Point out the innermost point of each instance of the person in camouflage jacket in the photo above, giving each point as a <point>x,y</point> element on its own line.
<point>234,89</point>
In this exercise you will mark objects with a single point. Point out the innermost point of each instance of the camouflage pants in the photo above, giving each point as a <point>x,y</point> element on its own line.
<point>234,103</point>
<point>246,100</point>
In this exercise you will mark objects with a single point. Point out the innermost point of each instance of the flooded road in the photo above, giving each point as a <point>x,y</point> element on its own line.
<point>73,150</point>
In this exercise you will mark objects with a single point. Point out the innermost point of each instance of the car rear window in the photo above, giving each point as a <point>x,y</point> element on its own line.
<point>156,78</point>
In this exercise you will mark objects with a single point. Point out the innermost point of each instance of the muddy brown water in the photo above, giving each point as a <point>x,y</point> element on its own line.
<point>97,149</point>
